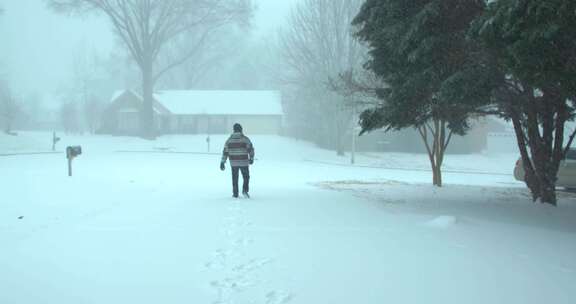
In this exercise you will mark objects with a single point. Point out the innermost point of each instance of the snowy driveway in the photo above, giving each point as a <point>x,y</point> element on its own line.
<point>162,228</point>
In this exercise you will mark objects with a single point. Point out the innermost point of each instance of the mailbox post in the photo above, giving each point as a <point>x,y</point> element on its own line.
<point>71,153</point>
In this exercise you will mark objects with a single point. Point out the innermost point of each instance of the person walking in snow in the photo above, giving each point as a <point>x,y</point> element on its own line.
<point>240,151</point>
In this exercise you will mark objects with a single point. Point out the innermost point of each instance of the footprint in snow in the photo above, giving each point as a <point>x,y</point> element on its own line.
<point>219,260</point>
<point>278,297</point>
<point>252,265</point>
<point>242,242</point>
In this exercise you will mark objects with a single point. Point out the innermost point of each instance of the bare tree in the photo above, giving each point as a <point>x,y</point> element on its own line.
<point>93,110</point>
<point>70,118</point>
<point>82,90</point>
<point>89,88</point>
<point>209,56</point>
<point>10,108</point>
<point>317,46</point>
<point>147,26</point>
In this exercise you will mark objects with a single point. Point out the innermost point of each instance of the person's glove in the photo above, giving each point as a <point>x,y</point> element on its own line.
<point>222,166</point>
<point>251,161</point>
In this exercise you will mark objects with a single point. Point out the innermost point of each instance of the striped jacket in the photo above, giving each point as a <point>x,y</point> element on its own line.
<point>239,149</point>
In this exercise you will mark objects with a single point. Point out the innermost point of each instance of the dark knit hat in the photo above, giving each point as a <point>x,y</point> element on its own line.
<point>237,127</point>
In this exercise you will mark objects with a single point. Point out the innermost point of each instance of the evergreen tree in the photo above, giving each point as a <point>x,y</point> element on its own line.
<point>532,45</point>
<point>418,48</point>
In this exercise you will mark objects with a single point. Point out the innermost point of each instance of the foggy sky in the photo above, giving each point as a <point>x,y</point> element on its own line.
<point>39,46</point>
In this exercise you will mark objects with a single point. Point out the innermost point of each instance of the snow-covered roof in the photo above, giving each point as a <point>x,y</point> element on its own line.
<point>158,108</point>
<point>119,93</point>
<point>221,102</point>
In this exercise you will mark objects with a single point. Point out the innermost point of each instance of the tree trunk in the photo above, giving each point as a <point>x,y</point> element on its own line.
<point>529,175</point>
<point>548,193</point>
<point>539,128</point>
<point>338,139</point>
<point>546,179</point>
<point>439,160</point>
<point>147,126</point>
<point>436,176</point>
<point>441,144</point>
<point>435,149</point>
<point>339,146</point>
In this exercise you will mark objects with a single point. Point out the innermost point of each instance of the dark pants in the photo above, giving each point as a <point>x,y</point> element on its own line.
<point>245,176</point>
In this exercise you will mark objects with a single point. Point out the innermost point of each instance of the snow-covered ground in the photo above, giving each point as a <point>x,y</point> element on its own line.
<point>136,224</point>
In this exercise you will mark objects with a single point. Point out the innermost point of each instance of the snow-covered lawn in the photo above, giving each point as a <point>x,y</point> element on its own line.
<point>142,227</point>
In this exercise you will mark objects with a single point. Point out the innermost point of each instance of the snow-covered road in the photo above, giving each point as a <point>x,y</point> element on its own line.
<point>163,228</point>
